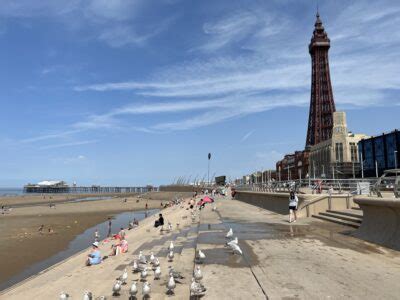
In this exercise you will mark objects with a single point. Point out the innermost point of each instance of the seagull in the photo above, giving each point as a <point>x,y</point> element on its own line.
<point>135,267</point>
<point>201,257</point>
<point>229,233</point>
<point>234,241</point>
<point>175,274</point>
<point>157,273</point>
<point>116,288</point>
<point>197,289</point>
<point>197,274</point>
<point>152,257</point>
<point>142,258</point>
<point>143,274</point>
<point>156,262</point>
<point>123,277</point>
<point>133,290</point>
<point>236,249</point>
<point>87,296</point>
<point>64,296</point>
<point>171,285</point>
<point>169,226</point>
<point>146,289</point>
<point>171,246</point>
<point>171,256</point>
<point>214,208</point>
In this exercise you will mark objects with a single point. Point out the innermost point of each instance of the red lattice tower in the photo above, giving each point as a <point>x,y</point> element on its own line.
<point>322,104</point>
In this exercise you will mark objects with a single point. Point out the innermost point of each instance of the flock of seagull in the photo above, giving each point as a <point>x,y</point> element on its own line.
<point>141,267</point>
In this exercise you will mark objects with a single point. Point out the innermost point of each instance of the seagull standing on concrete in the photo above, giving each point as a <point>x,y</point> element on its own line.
<point>116,288</point>
<point>197,274</point>
<point>133,290</point>
<point>157,273</point>
<point>234,241</point>
<point>201,257</point>
<point>135,267</point>
<point>156,263</point>
<point>143,274</point>
<point>146,290</point>
<point>124,277</point>
<point>171,256</point>
<point>142,258</point>
<point>229,233</point>
<point>87,296</point>
<point>236,249</point>
<point>152,257</point>
<point>197,289</point>
<point>171,246</point>
<point>64,296</point>
<point>171,285</point>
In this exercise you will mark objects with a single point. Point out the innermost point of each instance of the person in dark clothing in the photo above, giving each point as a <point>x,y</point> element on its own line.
<point>109,227</point>
<point>160,221</point>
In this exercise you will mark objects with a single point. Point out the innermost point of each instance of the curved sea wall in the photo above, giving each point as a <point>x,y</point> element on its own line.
<point>381,221</point>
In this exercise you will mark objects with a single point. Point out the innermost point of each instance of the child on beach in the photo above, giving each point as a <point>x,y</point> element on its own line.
<point>94,258</point>
<point>293,203</point>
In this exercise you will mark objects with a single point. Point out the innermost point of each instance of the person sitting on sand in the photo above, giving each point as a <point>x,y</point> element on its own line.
<point>41,229</point>
<point>122,233</point>
<point>123,246</point>
<point>94,258</point>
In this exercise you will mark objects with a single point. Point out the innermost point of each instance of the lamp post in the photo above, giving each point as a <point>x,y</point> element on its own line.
<point>395,159</point>
<point>208,176</point>
<point>362,165</point>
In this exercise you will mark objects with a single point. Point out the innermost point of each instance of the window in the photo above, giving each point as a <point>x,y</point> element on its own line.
<point>353,152</point>
<point>339,152</point>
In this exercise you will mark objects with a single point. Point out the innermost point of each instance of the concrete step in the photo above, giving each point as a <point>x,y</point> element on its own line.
<point>356,208</point>
<point>354,217</point>
<point>337,220</point>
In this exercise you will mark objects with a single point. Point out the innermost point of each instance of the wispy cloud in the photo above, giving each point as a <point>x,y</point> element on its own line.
<point>55,135</point>
<point>71,144</point>
<point>110,21</point>
<point>246,136</point>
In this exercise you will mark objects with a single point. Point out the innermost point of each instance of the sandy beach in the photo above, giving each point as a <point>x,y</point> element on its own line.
<point>21,244</point>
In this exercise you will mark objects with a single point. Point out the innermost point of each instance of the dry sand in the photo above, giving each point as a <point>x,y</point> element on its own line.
<point>21,244</point>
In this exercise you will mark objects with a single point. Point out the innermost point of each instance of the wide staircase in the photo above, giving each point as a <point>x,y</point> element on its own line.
<point>349,217</point>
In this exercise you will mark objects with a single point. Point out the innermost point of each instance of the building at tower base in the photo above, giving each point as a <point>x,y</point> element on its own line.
<point>336,157</point>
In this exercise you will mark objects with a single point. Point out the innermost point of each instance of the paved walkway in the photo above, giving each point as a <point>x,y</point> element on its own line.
<point>308,260</point>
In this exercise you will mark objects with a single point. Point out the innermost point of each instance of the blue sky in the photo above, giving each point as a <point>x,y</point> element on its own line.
<point>134,92</point>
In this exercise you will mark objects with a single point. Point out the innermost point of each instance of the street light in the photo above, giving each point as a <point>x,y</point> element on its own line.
<point>395,159</point>
<point>208,174</point>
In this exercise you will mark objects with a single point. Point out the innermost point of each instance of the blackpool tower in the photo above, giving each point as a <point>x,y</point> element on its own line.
<point>322,105</point>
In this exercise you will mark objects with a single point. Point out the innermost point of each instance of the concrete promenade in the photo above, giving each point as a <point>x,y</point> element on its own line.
<point>310,259</point>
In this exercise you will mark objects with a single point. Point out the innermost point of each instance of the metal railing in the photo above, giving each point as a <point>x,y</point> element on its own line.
<point>388,184</point>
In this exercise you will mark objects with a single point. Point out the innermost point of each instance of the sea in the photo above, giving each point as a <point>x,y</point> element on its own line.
<point>5,191</point>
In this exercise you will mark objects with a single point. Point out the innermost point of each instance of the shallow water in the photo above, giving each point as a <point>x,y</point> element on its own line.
<point>79,243</point>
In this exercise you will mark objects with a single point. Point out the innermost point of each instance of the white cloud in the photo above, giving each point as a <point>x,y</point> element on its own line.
<point>110,21</point>
<point>71,144</point>
<point>246,136</point>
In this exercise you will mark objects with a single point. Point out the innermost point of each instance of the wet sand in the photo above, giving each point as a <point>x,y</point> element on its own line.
<point>21,244</point>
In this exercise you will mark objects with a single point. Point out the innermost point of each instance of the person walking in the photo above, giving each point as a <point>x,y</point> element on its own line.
<point>293,203</point>
<point>109,227</point>
<point>96,235</point>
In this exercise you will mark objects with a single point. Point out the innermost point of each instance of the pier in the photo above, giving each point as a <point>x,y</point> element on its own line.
<point>86,189</point>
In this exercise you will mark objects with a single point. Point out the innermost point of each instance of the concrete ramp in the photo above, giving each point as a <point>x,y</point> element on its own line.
<point>381,221</point>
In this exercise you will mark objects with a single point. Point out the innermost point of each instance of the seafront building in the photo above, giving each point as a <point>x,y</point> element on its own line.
<point>380,153</point>
<point>336,157</point>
